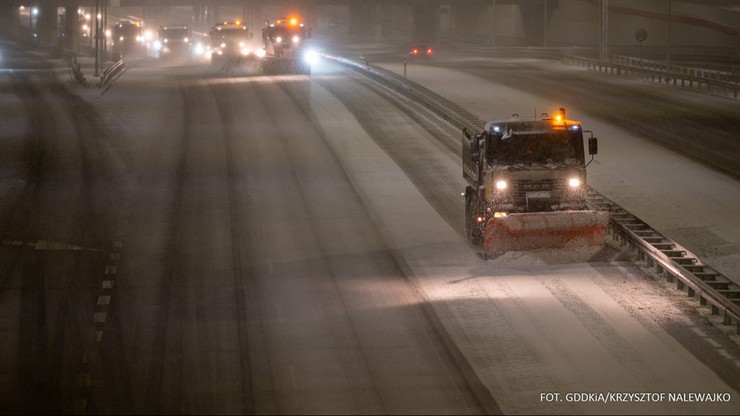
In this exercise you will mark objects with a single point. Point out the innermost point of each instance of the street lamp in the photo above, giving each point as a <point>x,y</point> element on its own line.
<point>545,23</point>
<point>97,37</point>
<point>604,38</point>
<point>668,37</point>
<point>31,17</point>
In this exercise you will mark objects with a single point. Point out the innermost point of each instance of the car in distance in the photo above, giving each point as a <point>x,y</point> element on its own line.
<point>420,51</point>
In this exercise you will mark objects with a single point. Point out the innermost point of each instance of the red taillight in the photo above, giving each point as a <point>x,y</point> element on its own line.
<point>414,51</point>
<point>429,51</point>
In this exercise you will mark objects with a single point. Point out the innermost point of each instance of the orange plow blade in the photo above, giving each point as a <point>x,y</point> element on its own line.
<point>529,231</point>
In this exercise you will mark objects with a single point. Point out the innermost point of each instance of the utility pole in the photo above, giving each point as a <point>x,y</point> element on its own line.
<point>604,38</point>
<point>545,23</point>
<point>668,37</point>
<point>97,36</point>
<point>105,28</point>
<point>493,23</point>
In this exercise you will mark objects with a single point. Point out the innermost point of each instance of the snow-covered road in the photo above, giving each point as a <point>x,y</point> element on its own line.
<point>535,322</point>
<point>295,244</point>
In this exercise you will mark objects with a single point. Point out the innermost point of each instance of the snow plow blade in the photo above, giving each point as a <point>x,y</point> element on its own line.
<point>530,231</point>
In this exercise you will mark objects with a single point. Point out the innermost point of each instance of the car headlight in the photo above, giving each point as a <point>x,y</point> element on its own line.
<point>501,184</point>
<point>260,53</point>
<point>574,182</point>
<point>296,39</point>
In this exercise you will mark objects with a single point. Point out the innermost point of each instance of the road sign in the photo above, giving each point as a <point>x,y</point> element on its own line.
<point>641,35</point>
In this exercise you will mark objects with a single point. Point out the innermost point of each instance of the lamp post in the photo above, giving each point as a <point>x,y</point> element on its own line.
<point>32,13</point>
<point>668,37</point>
<point>545,23</point>
<point>97,37</point>
<point>492,41</point>
<point>604,38</point>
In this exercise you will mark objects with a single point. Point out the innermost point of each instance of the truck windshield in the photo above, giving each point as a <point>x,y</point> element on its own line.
<point>228,34</point>
<point>559,147</point>
<point>126,31</point>
<point>175,33</point>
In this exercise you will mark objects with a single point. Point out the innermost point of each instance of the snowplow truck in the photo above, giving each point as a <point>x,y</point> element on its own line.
<point>283,41</point>
<point>527,186</point>
<point>231,44</point>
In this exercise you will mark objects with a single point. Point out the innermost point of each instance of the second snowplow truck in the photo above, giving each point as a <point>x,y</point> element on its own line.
<point>284,41</point>
<point>527,186</point>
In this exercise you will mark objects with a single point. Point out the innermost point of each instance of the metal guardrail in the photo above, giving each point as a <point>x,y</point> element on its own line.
<point>669,258</point>
<point>111,74</point>
<point>76,71</point>
<point>712,86</point>
<point>674,262</point>
<point>707,74</point>
<point>444,108</point>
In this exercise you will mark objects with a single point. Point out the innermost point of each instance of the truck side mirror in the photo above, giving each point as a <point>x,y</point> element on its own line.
<point>475,146</point>
<point>465,133</point>
<point>593,146</point>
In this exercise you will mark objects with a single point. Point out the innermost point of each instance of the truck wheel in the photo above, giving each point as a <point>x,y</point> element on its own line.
<point>472,211</point>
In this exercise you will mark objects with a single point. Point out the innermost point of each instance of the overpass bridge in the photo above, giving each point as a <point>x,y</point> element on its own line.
<point>607,26</point>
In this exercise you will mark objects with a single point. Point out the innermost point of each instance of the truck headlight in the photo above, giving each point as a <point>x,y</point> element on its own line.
<point>311,57</point>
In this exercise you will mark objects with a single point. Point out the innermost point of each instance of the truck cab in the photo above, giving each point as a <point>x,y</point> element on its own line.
<point>284,43</point>
<point>231,42</point>
<point>174,41</point>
